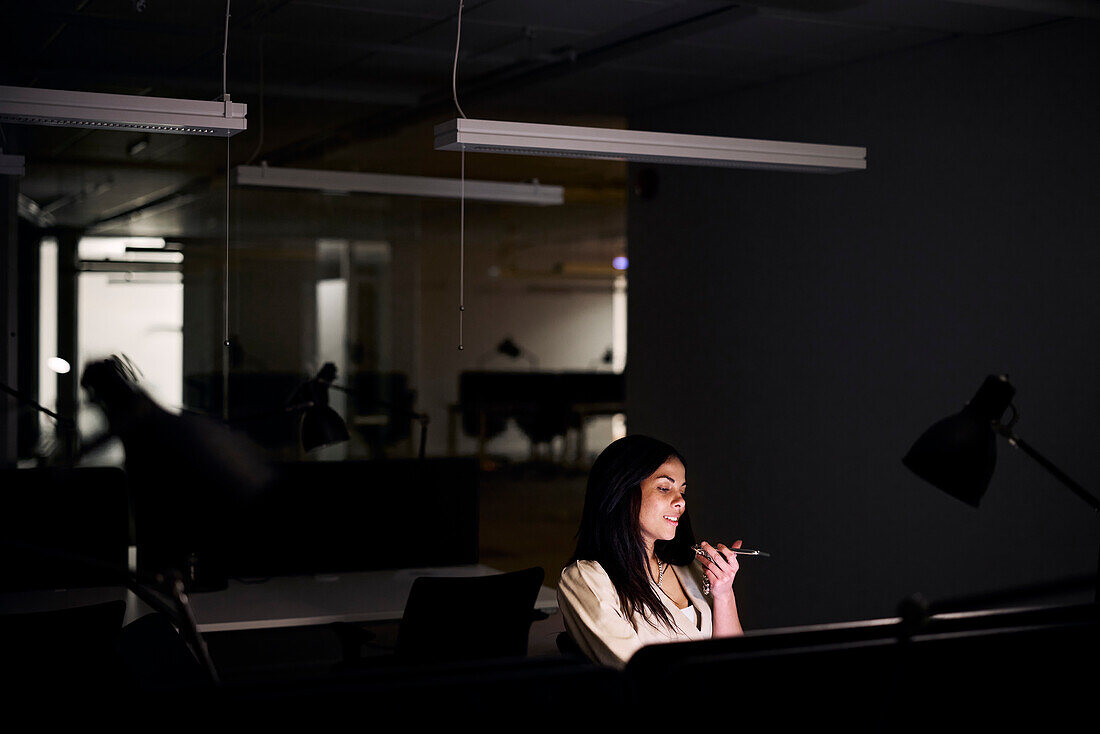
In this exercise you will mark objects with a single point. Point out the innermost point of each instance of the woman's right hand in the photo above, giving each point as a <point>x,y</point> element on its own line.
<point>720,568</point>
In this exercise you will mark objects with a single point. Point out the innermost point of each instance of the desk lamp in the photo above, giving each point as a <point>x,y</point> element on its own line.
<point>508,348</point>
<point>321,425</point>
<point>958,454</point>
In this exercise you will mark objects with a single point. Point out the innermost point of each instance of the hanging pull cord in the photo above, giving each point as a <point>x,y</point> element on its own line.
<point>462,250</point>
<point>462,190</point>
<point>225,304</point>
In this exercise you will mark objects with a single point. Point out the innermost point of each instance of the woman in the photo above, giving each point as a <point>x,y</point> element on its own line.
<point>631,581</point>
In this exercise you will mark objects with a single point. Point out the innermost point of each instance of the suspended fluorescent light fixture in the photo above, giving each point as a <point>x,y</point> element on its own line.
<point>568,141</point>
<point>62,108</point>
<point>384,183</point>
<point>11,165</point>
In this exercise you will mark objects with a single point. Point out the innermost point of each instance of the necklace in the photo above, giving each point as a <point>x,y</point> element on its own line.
<point>660,572</point>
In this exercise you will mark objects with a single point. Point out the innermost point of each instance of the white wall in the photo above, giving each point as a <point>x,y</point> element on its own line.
<point>512,290</point>
<point>135,315</point>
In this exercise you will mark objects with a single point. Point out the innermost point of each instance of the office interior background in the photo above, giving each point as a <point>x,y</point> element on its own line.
<point>790,333</point>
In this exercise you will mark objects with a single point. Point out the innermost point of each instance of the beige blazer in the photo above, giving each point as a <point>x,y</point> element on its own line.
<point>590,610</point>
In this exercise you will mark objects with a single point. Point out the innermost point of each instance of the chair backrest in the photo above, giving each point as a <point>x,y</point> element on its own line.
<point>468,618</point>
<point>155,657</point>
<point>568,646</point>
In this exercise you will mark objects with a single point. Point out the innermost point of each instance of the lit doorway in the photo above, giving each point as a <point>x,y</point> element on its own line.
<point>129,303</point>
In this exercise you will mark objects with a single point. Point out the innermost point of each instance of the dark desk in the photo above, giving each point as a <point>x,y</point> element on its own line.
<point>298,601</point>
<point>282,601</point>
<point>543,404</point>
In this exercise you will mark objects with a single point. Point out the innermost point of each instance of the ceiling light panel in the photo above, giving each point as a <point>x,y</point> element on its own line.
<point>567,141</point>
<point>384,183</point>
<point>63,108</point>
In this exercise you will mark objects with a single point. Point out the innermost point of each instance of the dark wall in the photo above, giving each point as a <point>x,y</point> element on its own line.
<point>794,333</point>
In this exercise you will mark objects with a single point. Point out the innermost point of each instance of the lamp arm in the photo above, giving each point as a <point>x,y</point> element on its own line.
<point>151,590</point>
<point>190,628</point>
<point>24,399</point>
<point>1058,474</point>
<point>422,417</point>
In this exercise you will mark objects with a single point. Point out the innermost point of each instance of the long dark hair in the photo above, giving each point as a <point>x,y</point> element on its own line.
<point>610,532</point>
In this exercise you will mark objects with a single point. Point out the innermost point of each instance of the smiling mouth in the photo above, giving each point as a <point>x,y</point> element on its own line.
<point>673,519</point>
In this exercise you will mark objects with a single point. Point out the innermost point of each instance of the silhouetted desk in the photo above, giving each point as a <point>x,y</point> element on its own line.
<point>299,601</point>
<point>281,601</point>
<point>543,404</point>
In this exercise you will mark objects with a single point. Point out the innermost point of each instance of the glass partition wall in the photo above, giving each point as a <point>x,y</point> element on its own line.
<point>369,283</point>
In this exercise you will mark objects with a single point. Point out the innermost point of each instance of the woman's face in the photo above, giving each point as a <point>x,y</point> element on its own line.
<point>663,501</point>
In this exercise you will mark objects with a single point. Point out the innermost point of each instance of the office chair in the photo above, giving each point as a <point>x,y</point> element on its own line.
<point>468,618</point>
<point>155,657</point>
<point>568,647</point>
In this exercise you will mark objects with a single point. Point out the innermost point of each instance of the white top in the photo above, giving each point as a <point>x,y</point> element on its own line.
<point>692,617</point>
<point>591,613</point>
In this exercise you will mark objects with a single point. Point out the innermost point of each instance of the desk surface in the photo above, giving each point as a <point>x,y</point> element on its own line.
<point>298,601</point>
<point>281,601</point>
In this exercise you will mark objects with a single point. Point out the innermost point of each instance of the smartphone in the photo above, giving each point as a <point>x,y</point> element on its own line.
<point>737,551</point>
<point>751,552</point>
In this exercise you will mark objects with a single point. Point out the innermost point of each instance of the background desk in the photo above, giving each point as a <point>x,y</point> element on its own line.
<point>280,601</point>
<point>298,601</point>
<point>543,404</point>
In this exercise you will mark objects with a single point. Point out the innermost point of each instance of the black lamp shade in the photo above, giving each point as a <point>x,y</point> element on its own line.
<point>509,348</point>
<point>322,426</point>
<point>958,454</point>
